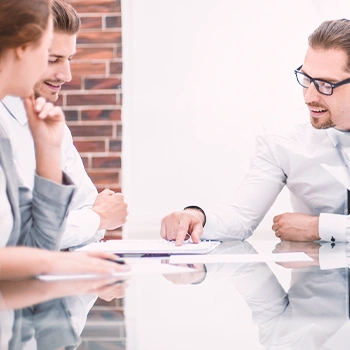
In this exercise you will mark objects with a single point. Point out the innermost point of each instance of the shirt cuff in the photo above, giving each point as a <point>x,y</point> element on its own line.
<point>332,227</point>
<point>332,256</point>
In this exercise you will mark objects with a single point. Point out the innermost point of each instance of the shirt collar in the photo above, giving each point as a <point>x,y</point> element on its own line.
<point>15,107</point>
<point>338,137</point>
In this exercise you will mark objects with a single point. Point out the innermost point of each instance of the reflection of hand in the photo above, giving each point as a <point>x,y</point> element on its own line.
<point>111,208</point>
<point>309,248</point>
<point>112,291</point>
<point>296,227</point>
<point>190,277</point>
<point>22,293</point>
<point>177,225</point>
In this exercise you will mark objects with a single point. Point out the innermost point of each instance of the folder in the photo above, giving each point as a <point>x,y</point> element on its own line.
<point>136,246</point>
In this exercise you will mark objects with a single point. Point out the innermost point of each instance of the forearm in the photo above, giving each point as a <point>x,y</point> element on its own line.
<point>48,163</point>
<point>43,217</point>
<point>23,262</point>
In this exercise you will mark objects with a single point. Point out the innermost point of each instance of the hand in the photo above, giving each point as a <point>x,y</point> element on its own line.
<point>178,225</point>
<point>85,263</point>
<point>46,124</point>
<point>296,227</point>
<point>25,292</point>
<point>114,290</point>
<point>187,277</point>
<point>23,262</point>
<point>111,208</point>
<point>312,249</point>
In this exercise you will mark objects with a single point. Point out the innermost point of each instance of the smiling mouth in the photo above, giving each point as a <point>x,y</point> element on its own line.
<point>317,110</point>
<point>53,86</point>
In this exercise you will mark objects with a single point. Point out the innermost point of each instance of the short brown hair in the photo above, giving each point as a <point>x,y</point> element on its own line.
<point>333,35</point>
<point>65,18</point>
<point>23,21</point>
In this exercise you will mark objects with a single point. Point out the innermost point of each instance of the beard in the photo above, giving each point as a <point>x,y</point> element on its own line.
<point>318,124</point>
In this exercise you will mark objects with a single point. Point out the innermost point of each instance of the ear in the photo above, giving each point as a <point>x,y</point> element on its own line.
<point>20,51</point>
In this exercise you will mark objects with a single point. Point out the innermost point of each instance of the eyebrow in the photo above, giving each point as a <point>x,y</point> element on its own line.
<point>60,56</point>
<point>331,80</point>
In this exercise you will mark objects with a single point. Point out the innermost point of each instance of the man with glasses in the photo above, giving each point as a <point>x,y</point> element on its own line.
<point>311,160</point>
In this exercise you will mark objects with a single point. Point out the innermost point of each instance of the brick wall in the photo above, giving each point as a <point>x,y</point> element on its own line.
<point>92,100</point>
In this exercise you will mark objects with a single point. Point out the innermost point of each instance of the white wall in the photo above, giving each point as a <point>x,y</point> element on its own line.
<point>200,79</point>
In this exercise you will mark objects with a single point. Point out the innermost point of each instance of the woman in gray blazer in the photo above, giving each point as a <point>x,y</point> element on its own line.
<point>37,218</point>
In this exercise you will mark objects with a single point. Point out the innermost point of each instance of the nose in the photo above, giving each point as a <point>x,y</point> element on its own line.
<point>64,73</point>
<point>311,94</point>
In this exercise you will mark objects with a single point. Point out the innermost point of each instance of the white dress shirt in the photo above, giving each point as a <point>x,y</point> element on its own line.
<point>6,222</point>
<point>82,225</point>
<point>306,160</point>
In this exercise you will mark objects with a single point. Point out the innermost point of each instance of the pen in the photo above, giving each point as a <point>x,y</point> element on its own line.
<point>120,262</point>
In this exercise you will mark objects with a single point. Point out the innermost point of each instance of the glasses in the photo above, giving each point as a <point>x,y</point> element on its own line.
<point>324,87</point>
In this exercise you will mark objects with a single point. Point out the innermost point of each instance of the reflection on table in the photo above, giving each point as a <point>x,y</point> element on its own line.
<point>223,306</point>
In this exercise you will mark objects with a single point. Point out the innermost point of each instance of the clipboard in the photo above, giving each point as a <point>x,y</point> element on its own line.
<point>156,247</point>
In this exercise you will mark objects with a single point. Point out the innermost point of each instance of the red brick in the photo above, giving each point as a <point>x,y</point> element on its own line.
<point>101,114</point>
<point>74,84</point>
<point>115,145</point>
<point>114,188</point>
<point>115,67</point>
<point>85,161</point>
<point>91,130</point>
<point>99,38</point>
<point>94,53</point>
<point>98,6</point>
<point>103,83</point>
<point>104,177</point>
<point>106,162</point>
<point>91,22</point>
<point>88,68</point>
<point>91,100</point>
<point>113,21</point>
<point>90,146</point>
<point>119,51</point>
<point>59,101</point>
<point>119,130</point>
<point>71,115</point>
<point>113,234</point>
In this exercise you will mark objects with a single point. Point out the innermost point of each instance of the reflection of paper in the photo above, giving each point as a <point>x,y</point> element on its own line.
<point>239,258</point>
<point>139,246</point>
<point>136,269</point>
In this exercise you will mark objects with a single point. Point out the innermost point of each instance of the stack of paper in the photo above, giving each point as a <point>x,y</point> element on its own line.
<point>151,247</point>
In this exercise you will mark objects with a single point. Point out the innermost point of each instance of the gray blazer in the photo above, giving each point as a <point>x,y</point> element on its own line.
<point>39,216</point>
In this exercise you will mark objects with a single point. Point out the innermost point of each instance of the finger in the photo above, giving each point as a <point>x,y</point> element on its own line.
<point>163,228</point>
<point>276,218</point>
<point>182,231</point>
<point>57,113</point>
<point>197,232</point>
<point>39,103</point>
<point>45,110</point>
<point>29,107</point>
<point>103,266</point>
<point>275,227</point>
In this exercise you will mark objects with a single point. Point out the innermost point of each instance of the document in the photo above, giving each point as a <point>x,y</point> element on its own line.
<point>154,267</point>
<point>239,258</point>
<point>137,246</point>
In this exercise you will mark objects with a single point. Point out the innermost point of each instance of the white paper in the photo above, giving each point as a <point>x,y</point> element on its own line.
<point>239,258</point>
<point>136,269</point>
<point>139,246</point>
